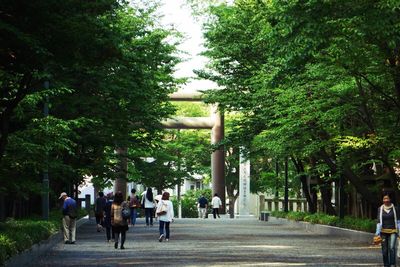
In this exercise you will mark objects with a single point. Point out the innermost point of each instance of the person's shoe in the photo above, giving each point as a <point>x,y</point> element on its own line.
<point>122,247</point>
<point>116,245</point>
<point>167,240</point>
<point>160,239</point>
<point>109,241</point>
<point>67,242</point>
<point>73,243</point>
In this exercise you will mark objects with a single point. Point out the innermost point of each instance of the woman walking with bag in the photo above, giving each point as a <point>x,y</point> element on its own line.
<point>387,230</point>
<point>118,221</point>
<point>148,203</point>
<point>165,213</point>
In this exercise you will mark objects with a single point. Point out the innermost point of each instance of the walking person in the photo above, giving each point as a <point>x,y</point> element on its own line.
<point>149,204</point>
<point>202,206</point>
<point>99,211</point>
<point>134,204</point>
<point>107,218</point>
<point>216,203</point>
<point>387,229</point>
<point>70,213</point>
<point>119,224</point>
<point>165,214</point>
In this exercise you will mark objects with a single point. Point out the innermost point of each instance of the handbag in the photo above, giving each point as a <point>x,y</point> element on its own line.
<point>162,210</point>
<point>377,240</point>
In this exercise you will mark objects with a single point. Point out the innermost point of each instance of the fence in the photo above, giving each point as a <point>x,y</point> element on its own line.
<point>273,204</point>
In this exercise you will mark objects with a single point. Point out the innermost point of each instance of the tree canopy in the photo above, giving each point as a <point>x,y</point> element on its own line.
<point>316,82</point>
<point>109,65</point>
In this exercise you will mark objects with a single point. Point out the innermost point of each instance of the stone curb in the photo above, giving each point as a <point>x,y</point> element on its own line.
<point>358,236</point>
<point>31,254</point>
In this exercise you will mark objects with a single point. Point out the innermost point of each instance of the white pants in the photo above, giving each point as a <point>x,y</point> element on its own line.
<point>202,213</point>
<point>69,226</point>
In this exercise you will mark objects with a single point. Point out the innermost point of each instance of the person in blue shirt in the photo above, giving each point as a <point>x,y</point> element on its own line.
<point>202,205</point>
<point>70,213</point>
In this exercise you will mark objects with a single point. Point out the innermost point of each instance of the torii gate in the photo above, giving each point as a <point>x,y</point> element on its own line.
<point>216,123</point>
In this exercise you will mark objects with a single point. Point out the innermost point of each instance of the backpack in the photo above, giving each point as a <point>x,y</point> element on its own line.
<point>125,212</point>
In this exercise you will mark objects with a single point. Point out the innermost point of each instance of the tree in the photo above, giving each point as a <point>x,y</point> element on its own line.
<point>110,71</point>
<point>320,89</point>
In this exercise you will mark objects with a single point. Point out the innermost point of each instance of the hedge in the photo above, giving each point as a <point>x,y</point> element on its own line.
<point>189,202</point>
<point>19,235</point>
<point>366,225</point>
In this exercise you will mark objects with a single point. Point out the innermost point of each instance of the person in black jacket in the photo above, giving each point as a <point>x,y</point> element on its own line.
<point>99,211</point>
<point>107,218</point>
<point>388,229</point>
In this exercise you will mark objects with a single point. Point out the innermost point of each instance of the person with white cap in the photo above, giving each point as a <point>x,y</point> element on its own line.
<point>70,213</point>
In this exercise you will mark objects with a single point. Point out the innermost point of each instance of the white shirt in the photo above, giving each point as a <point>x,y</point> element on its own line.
<point>169,216</point>
<point>216,202</point>
<point>147,203</point>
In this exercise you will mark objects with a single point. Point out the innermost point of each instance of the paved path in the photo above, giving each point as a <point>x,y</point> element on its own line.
<point>196,242</point>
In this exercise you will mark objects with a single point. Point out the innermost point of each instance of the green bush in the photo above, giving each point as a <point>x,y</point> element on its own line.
<point>189,202</point>
<point>19,235</point>
<point>366,225</point>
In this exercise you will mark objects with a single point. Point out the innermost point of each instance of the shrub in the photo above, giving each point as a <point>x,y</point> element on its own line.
<point>19,235</point>
<point>189,202</point>
<point>366,225</point>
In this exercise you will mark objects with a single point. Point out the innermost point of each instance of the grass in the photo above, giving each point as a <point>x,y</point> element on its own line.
<point>19,235</point>
<point>366,225</point>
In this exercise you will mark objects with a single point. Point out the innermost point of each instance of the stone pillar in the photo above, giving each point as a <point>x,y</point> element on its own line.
<point>262,202</point>
<point>218,160</point>
<point>87,204</point>
<point>121,181</point>
<point>244,186</point>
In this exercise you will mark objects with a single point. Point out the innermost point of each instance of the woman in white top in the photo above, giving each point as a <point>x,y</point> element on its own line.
<point>216,203</point>
<point>149,204</point>
<point>165,213</point>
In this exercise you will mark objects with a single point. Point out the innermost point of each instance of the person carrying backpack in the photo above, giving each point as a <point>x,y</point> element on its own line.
<point>70,213</point>
<point>119,218</point>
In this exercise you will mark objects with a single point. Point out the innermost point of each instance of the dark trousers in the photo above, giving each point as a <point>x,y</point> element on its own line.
<point>110,233</point>
<point>148,212</point>
<point>216,212</point>
<point>120,230</point>
<point>389,249</point>
<point>166,226</point>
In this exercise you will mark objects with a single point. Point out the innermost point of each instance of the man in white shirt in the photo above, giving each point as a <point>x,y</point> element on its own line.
<point>216,204</point>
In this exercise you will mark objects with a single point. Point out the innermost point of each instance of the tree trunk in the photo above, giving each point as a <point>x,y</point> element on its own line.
<point>353,179</point>
<point>312,205</point>
<point>326,195</point>
<point>121,181</point>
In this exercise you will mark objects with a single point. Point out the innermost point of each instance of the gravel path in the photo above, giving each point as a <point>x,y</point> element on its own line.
<point>224,242</point>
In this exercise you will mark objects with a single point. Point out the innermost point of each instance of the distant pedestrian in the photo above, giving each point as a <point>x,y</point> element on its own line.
<point>107,218</point>
<point>216,204</point>
<point>119,224</point>
<point>165,214</point>
<point>99,211</point>
<point>387,230</point>
<point>202,205</point>
<point>70,213</point>
<point>134,205</point>
<point>148,204</point>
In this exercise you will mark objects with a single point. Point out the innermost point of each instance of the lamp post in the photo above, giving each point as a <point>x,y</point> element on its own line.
<point>286,206</point>
<point>45,181</point>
